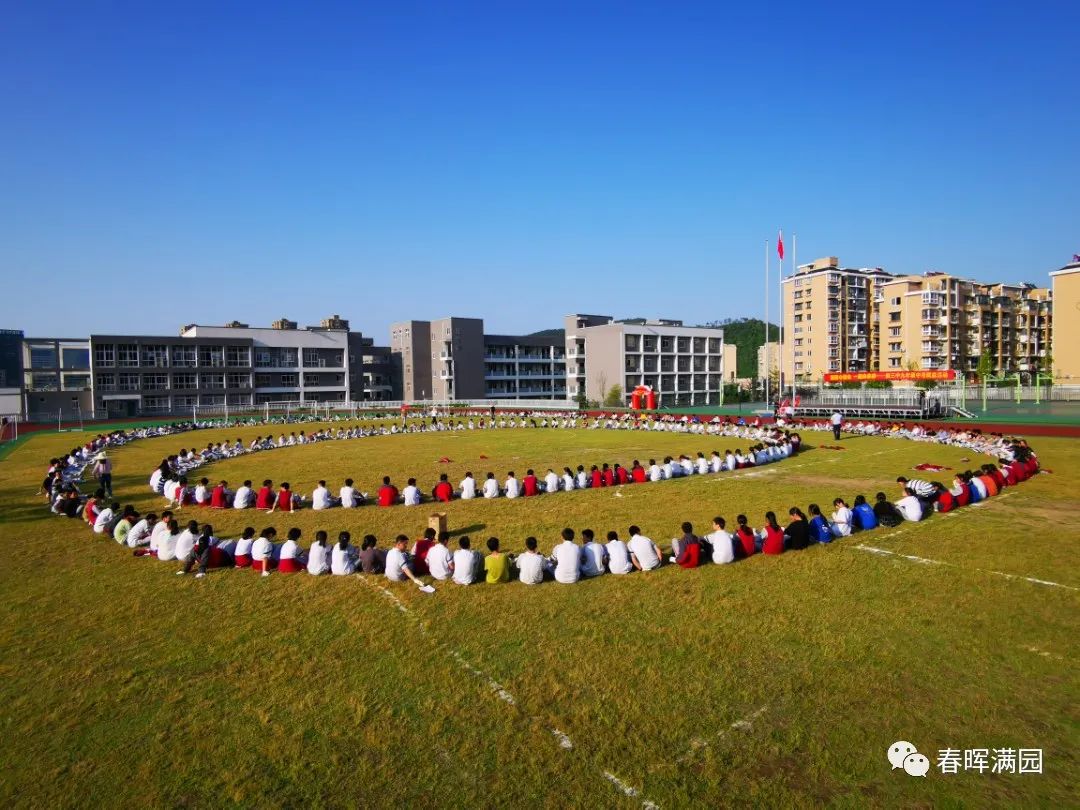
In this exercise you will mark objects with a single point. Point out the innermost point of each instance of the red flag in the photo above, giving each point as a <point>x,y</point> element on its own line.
<point>780,245</point>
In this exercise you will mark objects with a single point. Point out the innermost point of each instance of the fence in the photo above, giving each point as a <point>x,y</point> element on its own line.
<point>946,395</point>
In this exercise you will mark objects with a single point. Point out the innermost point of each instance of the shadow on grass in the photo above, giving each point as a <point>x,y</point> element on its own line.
<point>475,527</point>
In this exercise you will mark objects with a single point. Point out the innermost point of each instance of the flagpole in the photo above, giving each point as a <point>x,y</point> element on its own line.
<point>767,324</point>
<point>780,337</point>
<point>794,268</point>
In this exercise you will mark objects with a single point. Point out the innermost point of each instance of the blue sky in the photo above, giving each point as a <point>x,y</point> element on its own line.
<point>163,164</point>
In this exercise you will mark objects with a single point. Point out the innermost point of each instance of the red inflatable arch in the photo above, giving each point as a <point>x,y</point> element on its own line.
<point>649,395</point>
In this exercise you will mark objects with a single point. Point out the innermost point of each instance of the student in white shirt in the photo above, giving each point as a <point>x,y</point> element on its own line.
<point>551,481</point>
<point>582,478</point>
<point>105,518</point>
<point>262,551</point>
<point>399,563</point>
<point>910,506</point>
<point>141,531</point>
<point>160,528</point>
<point>244,497</point>
<point>166,544</point>
<point>655,473</point>
<point>184,547</point>
<point>438,558</point>
<point>566,557</point>
<point>291,556</point>
<point>618,555</point>
<point>318,557</point>
<point>722,549</point>
<point>644,553</point>
<point>716,464</point>
<point>202,492</point>
<point>568,483</point>
<point>343,556</point>
<point>410,496</point>
<point>491,489</point>
<point>242,552</point>
<point>348,495</point>
<point>841,519</point>
<point>155,480</point>
<point>321,497</point>
<point>464,563</point>
<point>531,566</point>
<point>512,486</point>
<point>593,555</point>
<point>468,487</point>
<point>702,464</point>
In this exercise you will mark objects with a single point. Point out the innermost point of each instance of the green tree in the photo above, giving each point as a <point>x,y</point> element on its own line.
<point>582,400</point>
<point>614,397</point>
<point>985,368</point>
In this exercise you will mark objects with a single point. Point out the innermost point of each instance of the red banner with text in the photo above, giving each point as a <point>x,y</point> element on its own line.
<point>939,375</point>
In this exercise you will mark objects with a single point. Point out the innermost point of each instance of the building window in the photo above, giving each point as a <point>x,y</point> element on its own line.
<point>894,317</point>
<point>106,382</point>
<point>155,356</point>
<point>128,355</point>
<point>238,381</point>
<point>212,380</point>
<point>157,404</point>
<point>237,356</point>
<point>262,380</point>
<point>105,355</point>
<point>289,380</point>
<point>184,356</point>
<point>894,331</point>
<point>186,401</point>
<point>185,381</point>
<point>74,358</point>
<point>894,302</point>
<point>42,357</point>
<point>212,356</point>
<point>155,382</point>
<point>127,382</point>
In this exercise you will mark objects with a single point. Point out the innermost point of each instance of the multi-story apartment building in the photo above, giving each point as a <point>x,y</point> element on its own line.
<point>524,367</point>
<point>684,365</point>
<point>1066,321</point>
<point>771,351</point>
<point>11,374</point>
<point>57,377</point>
<point>865,319</point>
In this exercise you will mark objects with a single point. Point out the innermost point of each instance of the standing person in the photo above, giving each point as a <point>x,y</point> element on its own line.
<point>103,472</point>
<point>723,544</point>
<point>438,558</point>
<point>837,419</point>
<point>496,564</point>
<point>593,555</point>
<point>530,564</point>
<point>644,553</point>
<point>566,557</point>
<point>318,558</point>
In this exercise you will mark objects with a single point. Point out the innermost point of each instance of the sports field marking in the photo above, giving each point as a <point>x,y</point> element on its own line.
<point>1045,654</point>
<point>563,739</point>
<point>925,561</point>
<point>742,724</point>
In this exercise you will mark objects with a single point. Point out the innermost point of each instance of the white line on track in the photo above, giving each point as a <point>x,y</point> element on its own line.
<point>742,724</point>
<point>563,739</point>
<point>925,561</point>
<point>1045,654</point>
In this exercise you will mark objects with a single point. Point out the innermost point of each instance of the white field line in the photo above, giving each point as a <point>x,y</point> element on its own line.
<point>563,739</point>
<point>1045,654</point>
<point>742,724</point>
<point>924,560</point>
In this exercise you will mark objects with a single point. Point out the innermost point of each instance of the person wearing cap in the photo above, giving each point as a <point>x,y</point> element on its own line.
<point>103,472</point>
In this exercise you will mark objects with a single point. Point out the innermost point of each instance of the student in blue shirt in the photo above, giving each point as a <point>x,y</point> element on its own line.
<point>864,517</point>
<point>819,526</point>
<point>976,493</point>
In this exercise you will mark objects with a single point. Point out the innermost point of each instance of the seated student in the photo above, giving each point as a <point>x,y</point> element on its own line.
<point>946,501</point>
<point>618,555</point>
<point>567,481</point>
<point>420,551</point>
<point>291,558</point>
<point>530,484</point>
<point>185,542</point>
<point>93,506</point>
<point>862,515</point>
<point>512,487</point>
<point>772,536</point>
<point>608,476</point>
<point>388,493</point>
<point>372,558</point>
<point>265,498</point>
<point>581,479</point>
<point>910,506</point>
<point>123,526</point>
<point>689,555</point>
<point>593,555</point>
<point>923,490</point>
<point>997,475</point>
<point>621,475</point>
<point>886,513</point>
<point>798,530</point>
<point>566,557</point>
<point>181,494</point>
<point>343,556</point>
<point>722,543</point>
<point>262,551</point>
<point>200,553</point>
<point>467,487</point>
<point>638,474</point>
<point>496,564</point>
<point>219,496</point>
<point>491,487</point>
<point>840,525</point>
<point>348,497</point>
<point>166,544</point>
<point>107,518</point>
<point>410,496</point>
<point>160,528</point>
<point>443,491</point>
<point>242,552</point>
<point>820,532</point>
<point>464,562</point>
<point>656,472</point>
<point>284,502</point>
<point>959,491</point>
<point>318,562</point>
<point>644,553</point>
<point>141,531</point>
<point>399,566</point>
<point>244,497</point>
<point>438,558</point>
<point>531,565</point>
<point>989,482</point>
<point>976,488</point>
<point>321,497</point>
<point>747,540</point>
<point>202,492</point>
<point>551,481</point>
<point>596,478</point>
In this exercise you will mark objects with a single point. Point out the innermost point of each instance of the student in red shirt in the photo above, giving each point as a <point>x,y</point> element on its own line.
<point>989,483</point>
<point>420,551</point>
<point>621,475</point>
<point>745,535</point>
<point>529,484</point>
<point>690,551</point>
<point>597,477</point>
<point>217,497</point>
<point>774,536</point>
<point>637,473</point>
<point>265,498</point>
<point>284,499</point>
<point>444,491</point>
<point>388,493</point>
<point>960,492</point>
<point>608,475</point>
<point>996,474</point>
<point>946,501</point>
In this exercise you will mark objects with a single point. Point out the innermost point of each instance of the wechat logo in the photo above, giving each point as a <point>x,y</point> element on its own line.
<point>904,755</point>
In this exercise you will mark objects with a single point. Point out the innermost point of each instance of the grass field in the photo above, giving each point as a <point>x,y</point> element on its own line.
<point>774,681</point>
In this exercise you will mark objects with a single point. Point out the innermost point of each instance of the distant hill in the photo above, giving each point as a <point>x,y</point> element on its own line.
<point>748,335</point>
<point>549,333</point>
